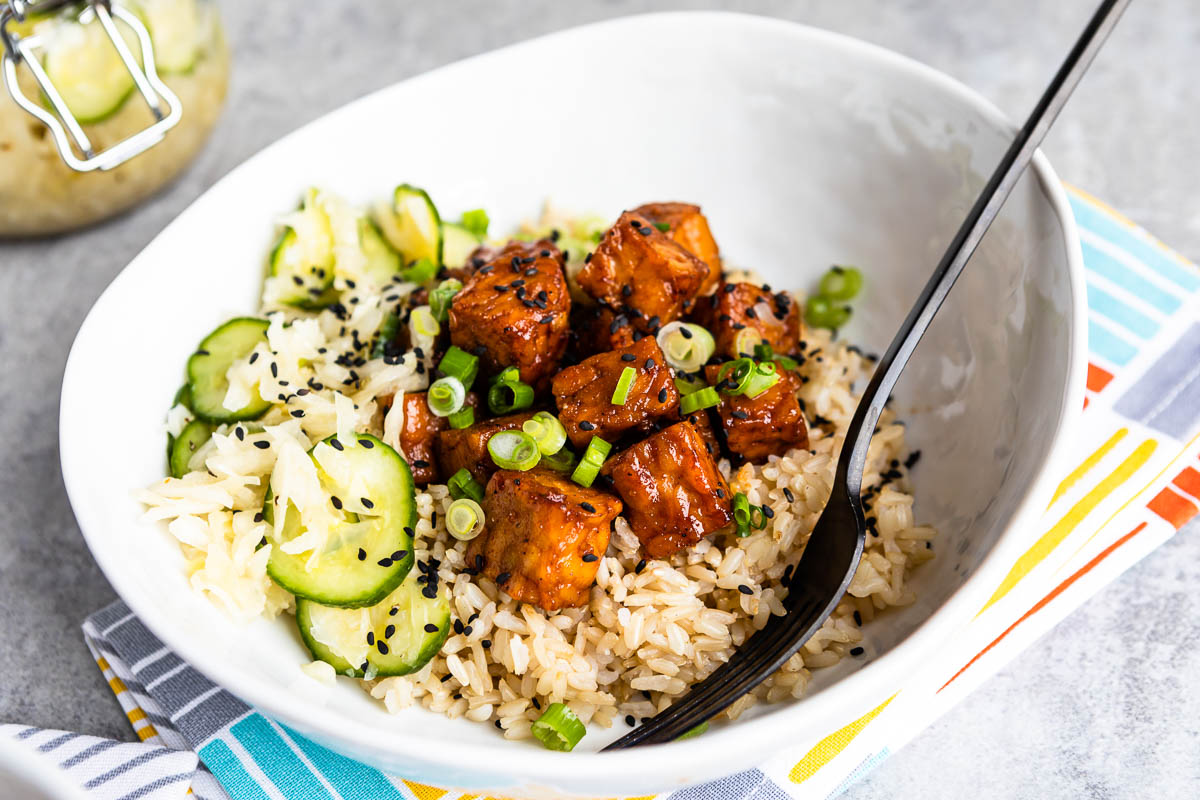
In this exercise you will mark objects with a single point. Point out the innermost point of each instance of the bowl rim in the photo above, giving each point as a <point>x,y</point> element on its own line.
<point>738,746</point>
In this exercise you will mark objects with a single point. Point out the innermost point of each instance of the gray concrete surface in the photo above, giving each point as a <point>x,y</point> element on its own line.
<point>1102,707</point>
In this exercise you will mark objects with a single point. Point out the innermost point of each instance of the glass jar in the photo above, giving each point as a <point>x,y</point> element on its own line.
<point>39,192</point>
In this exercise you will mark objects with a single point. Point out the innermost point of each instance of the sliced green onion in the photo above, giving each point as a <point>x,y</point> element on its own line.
<point>663,226</point>
<point>686,384</point>
<point>821,312</point>
<point>841,283</point>
<point>463,484</point>
<point>558,728</point>
<point>420,271</point>
<point>458,363</point>
<point>507,393</point>
<point>547,431</point>
<point>593,459</point>
<point>514,450</point>
<point>476,221</point>
<point>763,377</point>
<point>439,298</point>
<point>758,518</point>
<point>621,393</point>
<point>701,398</point>
<point>764,352</point>
<point>696,731</point>
<point>562,461</point>
<point>746,340</point>
<point>464,519</point>
<point>685,346</point>
<point>734,376</point>
<point>423,323</point>
<point>463,418</point>
<point>741,514</point>
<point>446,396</point>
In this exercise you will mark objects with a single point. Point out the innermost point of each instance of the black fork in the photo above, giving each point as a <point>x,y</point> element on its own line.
<point>833,551</point>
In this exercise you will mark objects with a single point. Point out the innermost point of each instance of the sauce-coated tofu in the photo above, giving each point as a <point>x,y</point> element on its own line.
<point>768,424</point>
<point>544,537</point>
<point>642,272</point>
<point>514,311</point>
<point>674,494</point>
<point>736,307</point>
<point>689,228</point>
<point>466,448</point>
<point>584,392</point>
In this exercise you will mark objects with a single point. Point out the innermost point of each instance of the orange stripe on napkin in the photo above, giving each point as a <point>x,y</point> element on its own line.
<point>1097,378</point>
<point>1189,482</point>
<point>1172,507</point>
<point>1086,568</point>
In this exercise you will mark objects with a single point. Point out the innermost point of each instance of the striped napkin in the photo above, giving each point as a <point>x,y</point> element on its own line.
<point>1136,482</point>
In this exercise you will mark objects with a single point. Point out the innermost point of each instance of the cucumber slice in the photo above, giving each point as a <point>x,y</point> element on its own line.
<point>174,27</point>
<point>404,614</point>
<point>412,225</point>
<point>303,259</point>
<point>189,440</point>
<point>368,469</point>
<point>382,261</point>
<point>457,244</point>
<point>84,66</point>
<point>207,367</point>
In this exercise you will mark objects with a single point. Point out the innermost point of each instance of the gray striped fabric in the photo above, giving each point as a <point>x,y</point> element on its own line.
<point>111,770</point>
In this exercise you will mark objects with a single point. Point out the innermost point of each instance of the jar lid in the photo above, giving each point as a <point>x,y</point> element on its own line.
<point>72,143</point>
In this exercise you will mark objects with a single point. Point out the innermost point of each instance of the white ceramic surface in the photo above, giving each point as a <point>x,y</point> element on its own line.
<point>26,774</point>
<point>804,148</point>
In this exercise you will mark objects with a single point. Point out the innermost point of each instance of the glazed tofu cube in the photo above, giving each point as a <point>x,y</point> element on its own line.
<point>690,229</point>
<point>596,329</point>
<point>768,424</point>
<point>513,311</point>
<point>739,307</point>
<point>704,429</point>
<point>642,272</point>
<point>673,492</point>
<point>584,392</point>
<point>544,537</point>
<point>418,437</point>
<point>466,448</point>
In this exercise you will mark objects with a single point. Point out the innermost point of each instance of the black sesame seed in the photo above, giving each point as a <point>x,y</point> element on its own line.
<point>388,631</point>
<point>720,492</point>
<point>685,333</point>
<point>588,507</point>
<point>382,647</point>
<point>297,413</point>
<point>503,577</point>
<point>740,414</point>
<point>384,562</point>
<point>750,312</point>
<point>479,561</point>
<point>641,565</point>
<point>366,502</point>
<point>546,320</point>
<point>586,426</point>
<point>336,445</point>
<point>627,290</point>
<point>240,433</point>
<point>518,282</point>
<point>337,501</point>
<point>729,288</point>
<point>629,720</point>
<point>367,443</point>
<point>258,517</point>
<point>445,677</point>
<point>653,322</point>
<point>646,230</point>
<point>768,512</point>
<point>430,627</point>
<point>499,727</point>
<point>744,589</point>
<point>791,498</point>
<point>420,463</point>
<point>501,287</point>
<point>297,280</point>
<point>662,395</point>
<point>486,643</point>
<point>588,558</point>
<point>274,370</point>
<point>370,637</point>
<point>651,363</point>
<point>628,357</point>
<point>399,555</point>
<point>857,618</point>
<point>262,444</point>
<point>537,704</point>
<point>430,591</point>
<point>856,651</point>
<point>458,626</point>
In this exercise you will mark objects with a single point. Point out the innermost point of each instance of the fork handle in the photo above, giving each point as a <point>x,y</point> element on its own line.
<point>854,451</point>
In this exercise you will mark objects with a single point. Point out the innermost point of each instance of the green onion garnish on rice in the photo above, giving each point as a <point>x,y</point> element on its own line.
<point>464,519</point>
<point>446,396</point>
<point>558,728</point>
<point>458,363</point>
<point>463,484</point>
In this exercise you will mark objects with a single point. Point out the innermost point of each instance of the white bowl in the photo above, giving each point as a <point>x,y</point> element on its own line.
<point>26,774</point>
<point>805,149</point>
